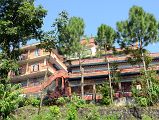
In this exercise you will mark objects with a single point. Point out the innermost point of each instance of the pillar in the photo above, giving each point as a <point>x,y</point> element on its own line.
<point>94,92</point>
<point>63,81</point>
<point>27,68</point>
<point>28,54</point>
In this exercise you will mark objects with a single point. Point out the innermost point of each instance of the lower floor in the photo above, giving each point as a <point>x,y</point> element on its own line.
<point>59,86</point>
<point>91,86</point>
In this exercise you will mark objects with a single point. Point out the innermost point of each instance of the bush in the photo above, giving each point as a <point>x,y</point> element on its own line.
<point>55,111</point>
<point>30,101</point>
<point>111,117</point>
<point>77,101</point>
<point>72,112</point>
<point>146,96</point>
<point>52,114</point>
<point>143,102</point>
<point>106,100</point>
<point>146,117</point>
<point>49,101</point>
<point>105,91</point>
<point>35,102</point>
<point>61,101</point>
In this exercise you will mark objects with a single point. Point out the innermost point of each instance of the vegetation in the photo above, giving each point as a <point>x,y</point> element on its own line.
<point>105,39</point>
<point>141,29</point>
<point>105,91</point>
<point>145,96</point>
<point>21,21</point>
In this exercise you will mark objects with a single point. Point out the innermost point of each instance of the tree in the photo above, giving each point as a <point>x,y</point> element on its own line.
<point>76,28</point>
<point>140,28</point>
<point>9,94</point>
<point>143,95</point>
<point>20,21</point>
<point>104,89</point>
<point>67,33</point>
<point>105,39</point>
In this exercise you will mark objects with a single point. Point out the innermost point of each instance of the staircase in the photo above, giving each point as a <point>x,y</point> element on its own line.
<point>36,89</point>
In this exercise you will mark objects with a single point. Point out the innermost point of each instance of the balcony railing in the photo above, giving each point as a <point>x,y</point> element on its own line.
<point>23,57</point>
<point>19,72</point>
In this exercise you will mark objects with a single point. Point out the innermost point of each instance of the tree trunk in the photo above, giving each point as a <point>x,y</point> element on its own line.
<point>82,77</point>
<point>41,94</point>
<point>145,70</point>
<point>110,82</point>
<point>109,75</point>
<point>94,92</point>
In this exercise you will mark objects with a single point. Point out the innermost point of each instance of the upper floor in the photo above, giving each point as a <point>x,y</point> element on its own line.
<point>35,61</point>
<point>98,66</point>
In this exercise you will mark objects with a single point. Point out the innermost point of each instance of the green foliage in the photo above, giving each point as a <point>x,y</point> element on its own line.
<point>65,36</point>
<point>137,57</point>
<point>30,101</point>
<point>146,96</point>
<point>52,114</point>
<point>146,117</point>
<point>55,111</point>
<point>35,102</point>
<point>105,37</point>
<point>142,101</point>
<point>9,93</point>
<point>72,112</point>
<point>61,101</point>
<point>9,99</point>
<point>141,27</point>
<point>77,101</point>
<point>137,32</point>
<point>115,73</point>
<point>104,89</point>
<point>111,117</point>
<point>19,22</point>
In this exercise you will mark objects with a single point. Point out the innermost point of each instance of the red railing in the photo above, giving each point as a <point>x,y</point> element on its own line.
<point>100,72</point>
<point>46,83</point>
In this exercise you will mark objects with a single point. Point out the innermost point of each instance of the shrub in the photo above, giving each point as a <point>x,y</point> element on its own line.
<point>49,101</point>
<point>55,111</point>
<point>77,101</point>
<point>30,101</point>
<point>72,112</point>
<point>35,102</point>
<point>52,114</point>
<point>146,117</point>
<point>61,101</point>
<point>143,102</point>
<point>146,96</point>
<point>105,91</point>
<point>106,100</point>
<point>111,117</point>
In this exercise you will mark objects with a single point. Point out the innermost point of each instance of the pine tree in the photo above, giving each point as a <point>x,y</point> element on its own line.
<point>105,39</point>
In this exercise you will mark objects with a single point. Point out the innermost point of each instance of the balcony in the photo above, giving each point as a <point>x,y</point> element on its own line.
<point>18,73</point>
<point>23,57</point>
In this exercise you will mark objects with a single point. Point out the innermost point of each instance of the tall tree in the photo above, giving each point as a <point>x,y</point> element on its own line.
<point>20,21</point>
<point>140,28</point>
<point>76,29</point>
<point>67,33</point>
<point>105,39</point>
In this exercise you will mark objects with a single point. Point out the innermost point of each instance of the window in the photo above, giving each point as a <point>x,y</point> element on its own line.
<point>37,52</point>
<point>56,67</point>
<point>35,67</point>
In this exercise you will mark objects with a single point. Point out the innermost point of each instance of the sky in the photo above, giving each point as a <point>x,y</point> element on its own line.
<point>97,12</point>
